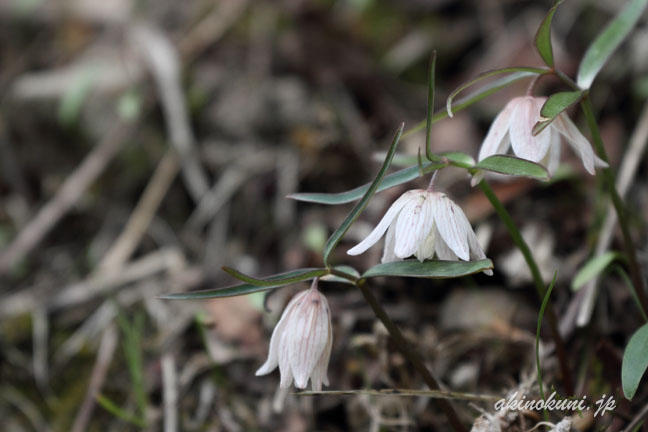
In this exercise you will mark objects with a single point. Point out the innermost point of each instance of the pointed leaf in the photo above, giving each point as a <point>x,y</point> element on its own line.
<point>430,108</point>
<point>476,96</point>
<point>428,269</point>
<point>528,71</point>
<point>349,271</point>
<point>272,281</point>
<point>243,289</point>
<point>360,206</point>
<point>512,165</point>
<point>594,267</point>
<point>543,36</point>
<point>635,362</point>
<point>395,179</point>
<point>455,158</point>
<point>608,41</point>
<point>556,104</point>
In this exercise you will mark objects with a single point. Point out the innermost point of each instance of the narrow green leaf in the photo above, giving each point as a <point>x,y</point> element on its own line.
<point>635,362</point>
<point>306,275</point>
<point>430,108</point>
<point>434,394</point>
<point>455,158</point>
<point>115,410</point>
<point>530,71</point>
<point>543,36</point>
<point>512,165</point>
<point>242,289</point>
<point>545,301</point>
<point>556,104</point>
<point>628,283</point>
<point>394,179</point>
<point>458,159</point>
<point>360,206</point>
<point>429,269</point>
<point>608,41</point>
<point>594,267</point>
<point>471,98</point>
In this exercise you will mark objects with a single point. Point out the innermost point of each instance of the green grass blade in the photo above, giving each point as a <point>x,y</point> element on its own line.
<point>608,41</point>
<point>545,301</point>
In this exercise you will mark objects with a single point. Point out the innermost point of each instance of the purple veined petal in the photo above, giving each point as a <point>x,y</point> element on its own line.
<point>285,368</point>
<point>498,131</point>
<point>413,224</point>
<point>390,241</point>
<point>273,351</point>
<point>524,144</point>
<point>577,141</point>
<point>426,248</point>
<point>307,338</point>
<point>451,231</point>
<point>319,374</point>
<point>384,223</point>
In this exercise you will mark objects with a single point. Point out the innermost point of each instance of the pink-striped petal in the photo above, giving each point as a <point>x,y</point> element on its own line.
<point>413,224</point>
<point>308,335</point>
<point>275,340</point>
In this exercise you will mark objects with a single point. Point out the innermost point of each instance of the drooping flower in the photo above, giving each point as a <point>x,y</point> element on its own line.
<point>424,223</point>
<point>301,341</point>
<point>513,128</point>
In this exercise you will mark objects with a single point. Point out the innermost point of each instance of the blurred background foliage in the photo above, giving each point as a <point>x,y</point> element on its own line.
<point>144,144</point>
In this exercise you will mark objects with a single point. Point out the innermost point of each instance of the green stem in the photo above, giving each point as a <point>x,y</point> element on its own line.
<point>537,278</point>
<point>409,352</point>
<point>609,179</point>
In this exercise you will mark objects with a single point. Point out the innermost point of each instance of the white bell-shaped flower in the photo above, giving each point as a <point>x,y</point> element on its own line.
<point>301,341</point>
<point>513,127</point>
<point>424,223</point>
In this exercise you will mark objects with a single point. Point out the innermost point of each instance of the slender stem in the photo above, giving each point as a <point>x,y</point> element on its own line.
<point>410,353</point>
<point>432,179</point>
<point>609,178</point>
<point>539,283</point>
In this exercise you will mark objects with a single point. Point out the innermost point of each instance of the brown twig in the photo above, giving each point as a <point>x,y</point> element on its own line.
<point>99,371</point>
<point>69,193</point>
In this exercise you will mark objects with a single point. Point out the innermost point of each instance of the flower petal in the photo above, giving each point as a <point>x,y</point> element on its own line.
<point>413,225</point>
<point>273,352</point>
<point>380,229</point>
<point>577,141</point>
<point>476,251</point>
<point>390,241</point>
<point>443,251</point>
<point>524,117</point>
<point>497,132</point>
<point>450,229</point>
<point>552,159</point>
<point>426,248</point>
<point>308,336</point>
<point>319,373</point>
